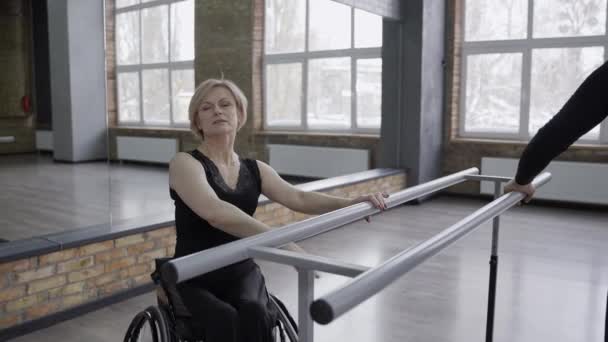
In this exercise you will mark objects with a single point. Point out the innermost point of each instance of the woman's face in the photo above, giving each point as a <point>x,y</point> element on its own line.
<point>218,113</point>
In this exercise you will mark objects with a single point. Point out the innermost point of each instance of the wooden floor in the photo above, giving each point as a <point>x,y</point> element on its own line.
<point>552,283</point>
<point>41,197</point>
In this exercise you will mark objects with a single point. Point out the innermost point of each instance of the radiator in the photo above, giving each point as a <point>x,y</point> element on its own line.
<point>7,139</point>
<point>572,181</point>
<point>319,162</point>
<point>156,150</point>
<point>44,140</point>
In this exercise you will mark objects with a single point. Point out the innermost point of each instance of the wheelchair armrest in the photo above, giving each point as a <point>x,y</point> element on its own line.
<point>158,263</point>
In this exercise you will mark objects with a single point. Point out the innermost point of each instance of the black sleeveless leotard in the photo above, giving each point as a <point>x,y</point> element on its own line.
<point>230,304</point>
<point>195,234</point>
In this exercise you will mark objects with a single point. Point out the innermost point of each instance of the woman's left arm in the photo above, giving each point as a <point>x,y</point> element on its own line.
<point>278,190</point>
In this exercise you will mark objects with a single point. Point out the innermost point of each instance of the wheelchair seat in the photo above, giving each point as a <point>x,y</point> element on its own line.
<point>170,320</point>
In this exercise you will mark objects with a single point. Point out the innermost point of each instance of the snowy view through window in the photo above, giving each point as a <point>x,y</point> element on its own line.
<point>328,78</point>
<point>154,61</point>
<point>518,74</point>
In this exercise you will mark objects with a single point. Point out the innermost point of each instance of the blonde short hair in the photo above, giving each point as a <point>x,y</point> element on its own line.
<point>203,89</point>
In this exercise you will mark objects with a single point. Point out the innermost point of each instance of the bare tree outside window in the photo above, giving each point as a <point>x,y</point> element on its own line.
<point>285,24</point>
<point>493,92</point>
<point>284,89</point>
<point>556,73</point>
<point>496,19</point>
<point>569,18</point>
<point>127,38</point>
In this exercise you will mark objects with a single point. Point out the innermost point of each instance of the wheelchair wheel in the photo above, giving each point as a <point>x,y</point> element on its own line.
<point>157,324</point>
<point>286,323</point>
<point>150,325</point>
<point>161,322</point>
<point>136,324</point>
<point>167,316</point>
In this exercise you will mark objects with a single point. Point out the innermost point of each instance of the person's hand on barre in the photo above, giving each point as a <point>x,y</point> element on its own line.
<point>376,199</point>
<point>527,189</point>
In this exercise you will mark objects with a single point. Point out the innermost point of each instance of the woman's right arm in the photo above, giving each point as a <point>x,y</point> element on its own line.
<point>187,178</point>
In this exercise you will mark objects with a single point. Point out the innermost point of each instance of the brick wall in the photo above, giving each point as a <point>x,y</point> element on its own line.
<point>111,64</point>
<point>34,287</point>
<point>224,33</point>
<point>453,53</point>
<point>462,153</point>
<point>257,60</point>
<point>275,215</point>
<point>38,286</point>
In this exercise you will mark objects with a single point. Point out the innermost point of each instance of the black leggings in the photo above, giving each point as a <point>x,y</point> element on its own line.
<point>232,310</point>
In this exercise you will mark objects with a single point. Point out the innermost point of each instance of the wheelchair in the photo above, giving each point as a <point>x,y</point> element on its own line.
<point>170,320</point>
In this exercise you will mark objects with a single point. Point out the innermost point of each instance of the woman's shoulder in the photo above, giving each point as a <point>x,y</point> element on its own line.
<point>181,157</point>
<point>184,160</point>
<point>184,166</point>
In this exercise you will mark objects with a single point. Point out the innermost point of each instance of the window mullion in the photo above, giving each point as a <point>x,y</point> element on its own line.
<point>604,124</point>
<point>462,93</point>
<point>141,88</point>
<point>353,74</point>
<point>526,91</point>
<point>170,69</point>
<point>463,69</point>
<point>304,92</point>
<point>264,94</point>
<point>526,76</point>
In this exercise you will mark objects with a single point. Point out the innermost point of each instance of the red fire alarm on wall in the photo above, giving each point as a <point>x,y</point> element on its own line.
<point>26,104</point>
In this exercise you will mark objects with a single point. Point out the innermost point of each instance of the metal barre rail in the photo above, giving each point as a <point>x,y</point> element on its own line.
<point>334,304</point>
<point>190,266</point>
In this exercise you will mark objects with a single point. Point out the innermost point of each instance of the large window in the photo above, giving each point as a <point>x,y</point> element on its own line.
<point>322,67</point>
<point>521,61</point>
<point>154,61</point>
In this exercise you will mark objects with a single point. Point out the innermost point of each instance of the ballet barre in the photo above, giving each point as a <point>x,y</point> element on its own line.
<point>365,281</point>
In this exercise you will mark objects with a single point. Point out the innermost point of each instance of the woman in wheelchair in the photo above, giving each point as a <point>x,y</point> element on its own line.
<point>216,193</point>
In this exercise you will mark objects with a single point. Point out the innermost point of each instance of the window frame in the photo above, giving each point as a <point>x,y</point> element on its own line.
<point>303,58</point>
<point>140,67</point>
<point>525,47</point>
